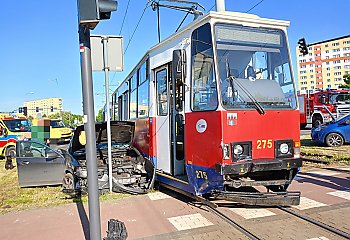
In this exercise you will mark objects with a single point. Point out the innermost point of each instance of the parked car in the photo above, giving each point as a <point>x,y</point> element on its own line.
<point>333,134</point>
<point>40,165</point>
<point>131,172</point>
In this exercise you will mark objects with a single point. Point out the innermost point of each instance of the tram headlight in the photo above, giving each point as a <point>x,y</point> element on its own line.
<point>283,148</point>
<point>241,151</point>
<point>238,149</point>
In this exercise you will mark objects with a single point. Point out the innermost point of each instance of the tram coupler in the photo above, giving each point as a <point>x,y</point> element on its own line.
<point>260,198</point>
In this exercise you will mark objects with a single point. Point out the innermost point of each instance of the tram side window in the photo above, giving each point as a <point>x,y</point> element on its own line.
<point>143,72</point>
<point>142,99</point>
<point>162,92</point>
<point>133,104</point>
<point>204,90</point>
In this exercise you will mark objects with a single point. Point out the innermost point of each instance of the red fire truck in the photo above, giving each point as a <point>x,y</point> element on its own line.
<point>322,106</point>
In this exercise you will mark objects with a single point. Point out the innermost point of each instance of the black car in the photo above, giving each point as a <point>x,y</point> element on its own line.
<point>40,165</point>
<point>131,172</point>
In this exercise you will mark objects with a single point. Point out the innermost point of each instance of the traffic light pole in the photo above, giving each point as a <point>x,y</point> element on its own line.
<point>89,127</point>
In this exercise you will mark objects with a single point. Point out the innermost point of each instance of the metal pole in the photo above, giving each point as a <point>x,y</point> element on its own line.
<point>220,5</point>
<point>106,69</point>
<point>89,126</point>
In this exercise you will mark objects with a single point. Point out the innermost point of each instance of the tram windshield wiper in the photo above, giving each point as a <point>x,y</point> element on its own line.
<point>231,78</point>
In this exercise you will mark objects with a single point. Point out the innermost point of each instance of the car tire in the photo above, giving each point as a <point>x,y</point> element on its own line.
<point>317,121</point>
<point>11,151</point>
<point>303,125</point>
<point>68,181</point>
<point>334,140</point>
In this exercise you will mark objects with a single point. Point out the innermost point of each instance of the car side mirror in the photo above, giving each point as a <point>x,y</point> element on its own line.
<point>51,155</point>
<point>4,132</point>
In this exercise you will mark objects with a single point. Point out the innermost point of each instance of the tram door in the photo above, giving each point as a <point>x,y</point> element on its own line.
<point>177,112</point>
<point>163,120</point>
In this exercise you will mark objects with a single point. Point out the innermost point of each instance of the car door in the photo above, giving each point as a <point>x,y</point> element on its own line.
<point>38,165</point>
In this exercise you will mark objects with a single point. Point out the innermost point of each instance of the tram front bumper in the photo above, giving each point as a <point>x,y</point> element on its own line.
<point>242,168</point>
<point>260,198</point>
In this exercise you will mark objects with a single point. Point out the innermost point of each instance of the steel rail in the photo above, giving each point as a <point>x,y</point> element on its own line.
<point>232,223</point>
<point>213,208</point>
<point>317,223</point>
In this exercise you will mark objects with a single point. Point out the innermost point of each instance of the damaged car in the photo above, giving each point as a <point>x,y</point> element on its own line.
<point>131,171</point>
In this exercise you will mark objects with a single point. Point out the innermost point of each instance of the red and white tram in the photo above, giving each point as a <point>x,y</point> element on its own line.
<point>215,109</point>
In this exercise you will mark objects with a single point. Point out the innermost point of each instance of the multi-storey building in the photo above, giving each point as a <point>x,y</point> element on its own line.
<point>41,107</point>
<point>325,65</point>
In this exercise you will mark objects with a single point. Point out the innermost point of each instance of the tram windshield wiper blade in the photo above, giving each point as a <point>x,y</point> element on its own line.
<point>258,106</point>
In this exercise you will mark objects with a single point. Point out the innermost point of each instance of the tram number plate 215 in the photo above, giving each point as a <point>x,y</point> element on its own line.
<point>201,174</point>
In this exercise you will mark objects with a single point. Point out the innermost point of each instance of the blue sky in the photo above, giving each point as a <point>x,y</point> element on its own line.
<point>39,48</point>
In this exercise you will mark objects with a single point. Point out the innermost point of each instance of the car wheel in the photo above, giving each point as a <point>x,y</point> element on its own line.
<point>317,121</point>
<point>68,181</point>
<point>334,140</point>
<point>11,151</point>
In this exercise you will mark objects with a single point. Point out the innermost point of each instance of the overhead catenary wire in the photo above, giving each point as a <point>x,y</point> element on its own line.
<point>254,6</point>
<point>137,25</point>
<point>126,12</point>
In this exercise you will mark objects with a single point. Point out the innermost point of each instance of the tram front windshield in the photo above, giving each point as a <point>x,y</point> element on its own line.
<point>254,68</point>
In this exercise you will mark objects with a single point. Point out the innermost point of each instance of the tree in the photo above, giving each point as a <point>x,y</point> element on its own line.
<point>346,79</point>
<point>99,116</point>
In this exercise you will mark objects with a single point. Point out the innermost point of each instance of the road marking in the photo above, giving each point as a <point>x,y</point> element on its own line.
<point>323,173</point>
<point>318,238</point>
<point>189,221</point>
<point>306,203</point>
<point>341,194</point>
<point>249,213</point>
<point>157,196</point>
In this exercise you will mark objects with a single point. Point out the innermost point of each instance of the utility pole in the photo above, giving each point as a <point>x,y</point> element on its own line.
<point>220,5</point>
<point>89,127</point>
<point>90,12</point>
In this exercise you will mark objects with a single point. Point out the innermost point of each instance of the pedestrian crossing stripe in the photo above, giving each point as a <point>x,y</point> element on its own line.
<point>341,194</point>
<point>157,196</point>
<point>190,221</point>
<point>250,213</point>
<point>307,203</point>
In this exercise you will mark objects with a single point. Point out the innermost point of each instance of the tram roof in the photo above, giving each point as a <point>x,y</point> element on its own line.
<point>229,17</point>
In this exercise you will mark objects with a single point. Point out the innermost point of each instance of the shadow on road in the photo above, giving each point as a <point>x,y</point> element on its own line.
<point>83,217</point>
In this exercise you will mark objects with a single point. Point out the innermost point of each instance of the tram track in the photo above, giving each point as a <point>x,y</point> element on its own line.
<point>254,236</point>
<point>217,210</point>
<point>315,222</point>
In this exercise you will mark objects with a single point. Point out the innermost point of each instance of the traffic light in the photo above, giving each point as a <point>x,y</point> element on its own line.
<point>25,112</point>
<point>302,46</point>
<point>20,110</point>
<point>92,11</point>
<point>37,109</point>
<point>51,108</point>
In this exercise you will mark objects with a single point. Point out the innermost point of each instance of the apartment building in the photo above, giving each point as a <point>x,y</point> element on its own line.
<point>325,65</point>
<point>41,107</point>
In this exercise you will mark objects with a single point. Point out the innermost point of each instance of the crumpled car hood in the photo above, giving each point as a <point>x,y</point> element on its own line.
<point>122,132</point>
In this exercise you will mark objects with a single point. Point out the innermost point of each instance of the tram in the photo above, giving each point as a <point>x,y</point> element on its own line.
<point>215,109</point>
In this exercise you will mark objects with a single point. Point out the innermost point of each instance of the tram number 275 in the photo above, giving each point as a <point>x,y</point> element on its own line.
<point>201,174</point>
<point>264,143</point>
